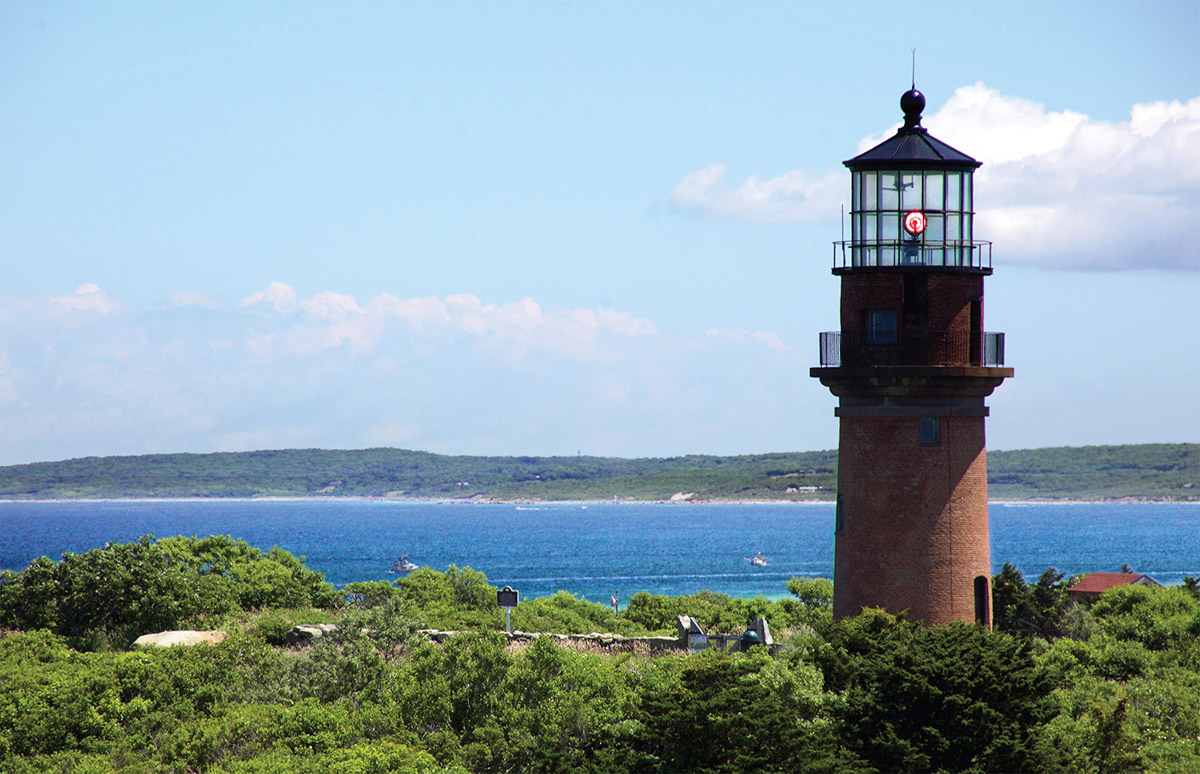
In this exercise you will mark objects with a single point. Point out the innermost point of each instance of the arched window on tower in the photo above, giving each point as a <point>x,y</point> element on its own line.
<point>981,600</point>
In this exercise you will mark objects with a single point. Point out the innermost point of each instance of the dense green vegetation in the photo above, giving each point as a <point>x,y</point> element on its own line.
<point>1146,471</point>
<point>111,595</point>
<point>1151,471</point>
<point>411,474</point>
<point>1113,688</point>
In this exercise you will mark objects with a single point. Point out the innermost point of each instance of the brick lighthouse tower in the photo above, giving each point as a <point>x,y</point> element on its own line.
<point>911,367</point>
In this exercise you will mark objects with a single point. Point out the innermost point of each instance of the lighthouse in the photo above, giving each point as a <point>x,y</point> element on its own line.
<point>911,367</point>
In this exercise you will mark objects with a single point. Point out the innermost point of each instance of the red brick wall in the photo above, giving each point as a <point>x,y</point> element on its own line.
<point>870,291</point>
<point>950,300</point>
<point>915,523</point>
<point>946,304</point>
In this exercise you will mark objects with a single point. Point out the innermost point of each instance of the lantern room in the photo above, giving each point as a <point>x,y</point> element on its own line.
<point>911,202</point>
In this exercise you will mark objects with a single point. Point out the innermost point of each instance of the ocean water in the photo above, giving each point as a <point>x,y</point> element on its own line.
<point>595,550</point>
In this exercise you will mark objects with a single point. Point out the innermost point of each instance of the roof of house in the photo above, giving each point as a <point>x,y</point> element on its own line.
<point>1100,582</point>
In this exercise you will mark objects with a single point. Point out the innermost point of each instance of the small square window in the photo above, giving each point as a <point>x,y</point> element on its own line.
<point>929,431</point>
<point>881,326</point>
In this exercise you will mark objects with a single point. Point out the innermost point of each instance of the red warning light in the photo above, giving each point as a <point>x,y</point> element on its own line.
<point>914,222</point>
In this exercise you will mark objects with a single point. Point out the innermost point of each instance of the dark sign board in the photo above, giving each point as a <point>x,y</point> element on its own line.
<point>506,597</point>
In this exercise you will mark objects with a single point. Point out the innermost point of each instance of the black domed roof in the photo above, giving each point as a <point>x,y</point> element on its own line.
<point>912,147</point>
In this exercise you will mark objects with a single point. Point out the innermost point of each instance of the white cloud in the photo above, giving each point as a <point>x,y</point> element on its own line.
<point>181,299</point>
<point>765,339</point>
<point>625,323</point>
<point>511,330</point>
<point>1057,189</point>
<point>328,305</point>
<point>419,313</point>
<point>279,296</point>
<point>453,374</point>
<point>993,127</point>
<point>795,196</point>
<point>1063,190</point>
<point>86,298</point>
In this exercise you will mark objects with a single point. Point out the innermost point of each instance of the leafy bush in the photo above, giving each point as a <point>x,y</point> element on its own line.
<point>748,712</point>
<point>950,698</point>
<point>1161,618</point>
<point>723,613</point>
<point>456,599</point>
<point>275,625</point>
<point>109,596</point>
<point>565,613</point>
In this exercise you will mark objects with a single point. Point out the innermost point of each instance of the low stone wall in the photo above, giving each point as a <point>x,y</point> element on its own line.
<point>309,633</point>
<point>606,641</point>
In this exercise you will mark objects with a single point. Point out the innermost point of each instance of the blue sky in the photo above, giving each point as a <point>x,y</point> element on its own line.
<point>551,228</point>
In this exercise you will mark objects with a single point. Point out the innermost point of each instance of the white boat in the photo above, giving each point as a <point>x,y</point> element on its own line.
<point>758,560</point>
<point>403,565</point>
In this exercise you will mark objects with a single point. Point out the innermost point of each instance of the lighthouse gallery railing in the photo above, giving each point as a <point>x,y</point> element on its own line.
<point>935,348</point>
<point>949,254</point>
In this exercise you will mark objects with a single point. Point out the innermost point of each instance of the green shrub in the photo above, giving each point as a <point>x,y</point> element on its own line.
<point>453,600</point>
<point>274,625</point>
<point>107,597</point>
<point>565,613</point>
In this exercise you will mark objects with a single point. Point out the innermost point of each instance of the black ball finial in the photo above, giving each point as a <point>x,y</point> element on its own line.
<point>912,102</point>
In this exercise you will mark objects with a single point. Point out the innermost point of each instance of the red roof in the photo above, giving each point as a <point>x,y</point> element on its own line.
<point>1100,582</point>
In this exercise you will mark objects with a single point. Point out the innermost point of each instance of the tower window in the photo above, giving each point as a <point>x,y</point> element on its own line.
<point>839,518</point>
<point>881,326</point>
<point>981,601</point>
<point>930,431</point>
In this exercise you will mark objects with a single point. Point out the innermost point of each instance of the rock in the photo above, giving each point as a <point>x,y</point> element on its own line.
<point>307,634</point>
<point>181,637</point>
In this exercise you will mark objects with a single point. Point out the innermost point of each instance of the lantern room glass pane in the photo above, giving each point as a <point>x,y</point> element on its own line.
<point>869,223</point>
<point>934,193</point>
<point>953,191</point>
<point>967,194</point>
<point>935,228</point>
<point>911,196</point>
<point>870,183</point>
<point>889,227</point>
<point>953,227</point>
<point>889,198</point>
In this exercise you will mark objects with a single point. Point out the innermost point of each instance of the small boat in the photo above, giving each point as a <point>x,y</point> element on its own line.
<point>758,560</point>
<point>403,565</point>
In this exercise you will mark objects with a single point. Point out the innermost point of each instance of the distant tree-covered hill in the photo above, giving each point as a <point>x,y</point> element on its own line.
<point>1151,471</point>
<point>1145,471</point>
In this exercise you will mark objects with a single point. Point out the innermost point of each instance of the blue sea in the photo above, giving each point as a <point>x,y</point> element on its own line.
<point>594,550</point>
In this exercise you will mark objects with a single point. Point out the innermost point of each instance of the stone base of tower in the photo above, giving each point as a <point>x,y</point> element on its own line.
<point>912,524</point>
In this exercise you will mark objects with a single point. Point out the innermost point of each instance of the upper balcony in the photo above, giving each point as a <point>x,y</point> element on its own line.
<point>951,254</point>
<point>934,348</point>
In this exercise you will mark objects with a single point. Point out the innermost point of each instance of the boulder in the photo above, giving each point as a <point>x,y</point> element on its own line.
<point>180,637</point>
<point>307,634</point>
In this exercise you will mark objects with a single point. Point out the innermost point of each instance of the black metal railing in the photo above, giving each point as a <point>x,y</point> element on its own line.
<point>942,255</point>
<point>934,348</point>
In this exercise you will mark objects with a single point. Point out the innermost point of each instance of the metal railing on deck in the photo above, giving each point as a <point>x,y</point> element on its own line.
<point>950,254</point>
<point>934,348</point>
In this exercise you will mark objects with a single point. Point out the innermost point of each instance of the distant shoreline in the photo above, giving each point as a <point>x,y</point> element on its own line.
<point>539,503</point>
<point>1136,473</point>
